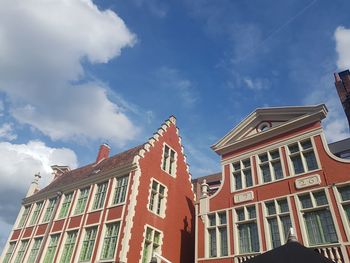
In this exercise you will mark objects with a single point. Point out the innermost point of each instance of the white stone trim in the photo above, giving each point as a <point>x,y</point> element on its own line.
<point>243,197</point>
<point>174,172</point>
<point>330,154</point>
<point>164,205</point>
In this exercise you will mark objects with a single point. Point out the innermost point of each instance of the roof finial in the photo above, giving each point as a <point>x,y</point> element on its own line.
<point>337,77</point>
<point>291,236</point>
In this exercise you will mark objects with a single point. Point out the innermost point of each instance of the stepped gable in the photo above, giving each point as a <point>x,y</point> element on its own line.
<point>121,159</point>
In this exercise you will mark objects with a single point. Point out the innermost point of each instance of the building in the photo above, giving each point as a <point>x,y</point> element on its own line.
<point>342,84</point>
<point>130,207</point>
<point>277,172</point>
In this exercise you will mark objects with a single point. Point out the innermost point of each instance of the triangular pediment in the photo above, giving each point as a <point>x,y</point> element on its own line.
<point>264,121</point>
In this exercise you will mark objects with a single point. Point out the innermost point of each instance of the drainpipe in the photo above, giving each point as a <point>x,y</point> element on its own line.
<point>47,231</point>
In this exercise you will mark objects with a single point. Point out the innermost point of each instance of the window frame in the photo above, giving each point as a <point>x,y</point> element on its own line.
<point>36,212</point>
<point>24,216</point>
<point>340,203</point>
<point>95,193</point>
<point>301,153</point>
<point>151,244</point>
<point>103,238</point>
<point>64,244</point>
<point>237,222</point>
<point>76,201</point>
<point>79,259</point>
<point>156,198</point>
<point>270,162</point>
<point>58,235</point>
<point>22,248</point>
<point>64,203</point>
<point>167,165</point>
<point>9,251</point>
<point>37,249</point>
<point>241,171</point>
<point>47,206</point>
<point>120,190</point>
<point>217,227</point>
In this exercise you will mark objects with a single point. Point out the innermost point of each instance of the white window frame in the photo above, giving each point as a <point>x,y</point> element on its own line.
<point>301,153</point>
<point>156,199</point>
<point>100,245</point>
<point>113,192</point>
<point>25,220</point>
<point>159,251</point>
<point>79,246</point>
<point>30,247</point>
<point>168,161</point>
<point>269,162</point>
<point>236,222</point>
<point>38,219</point>
<point>61,204</point>
<point>47,203</point>
<point>63,242</point>
<point>217,226</point>
<point>277,215</point>
<point>340,203</point>
<point>87,205</point>
<point>241,171</point>
<point>94,191</point>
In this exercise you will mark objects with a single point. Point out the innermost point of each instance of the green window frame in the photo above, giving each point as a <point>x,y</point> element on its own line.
<point>9,252</point>
<point>24,216</point>
<point>21,251</point>
<point>151,244</point>
<point>65,205</point>
<point>36,213</point>
<point>88,244</point>
<point>49,210</point>
<point>35,250</point>
<point>110,241</point>
<point>120,190</point>
<point>68,247</point>
<point>82,200</point>
<point>100,196</point>
<point>51,249</point>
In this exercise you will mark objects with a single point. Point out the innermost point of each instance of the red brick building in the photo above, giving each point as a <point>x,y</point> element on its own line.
<point>126,208</point>
<point>277,173</point>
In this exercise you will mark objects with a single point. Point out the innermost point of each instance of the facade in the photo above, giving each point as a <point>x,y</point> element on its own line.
<point>131,207</point>
<point>277,172</point>
<point>342,84</point>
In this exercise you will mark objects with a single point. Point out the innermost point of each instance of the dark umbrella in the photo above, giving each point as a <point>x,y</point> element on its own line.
<point>291,252</point>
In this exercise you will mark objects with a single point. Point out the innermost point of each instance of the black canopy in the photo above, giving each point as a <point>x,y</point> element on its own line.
<point>291,252</point>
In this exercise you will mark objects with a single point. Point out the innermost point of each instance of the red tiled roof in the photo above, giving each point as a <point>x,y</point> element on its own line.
<point>89,170</point>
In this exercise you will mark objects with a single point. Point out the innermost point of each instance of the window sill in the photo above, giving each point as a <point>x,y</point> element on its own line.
<point>116,205</point>
<point>95,210</point>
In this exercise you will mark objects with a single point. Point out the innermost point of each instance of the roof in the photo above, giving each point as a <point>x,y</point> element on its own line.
<point>92,170</point>
<point>339,146</point>
<point>291,252</point>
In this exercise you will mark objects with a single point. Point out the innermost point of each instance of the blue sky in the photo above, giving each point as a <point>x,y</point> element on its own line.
<point>75,74</point>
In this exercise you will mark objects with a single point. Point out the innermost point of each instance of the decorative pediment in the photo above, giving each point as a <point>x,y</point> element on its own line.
<point>267,122</point>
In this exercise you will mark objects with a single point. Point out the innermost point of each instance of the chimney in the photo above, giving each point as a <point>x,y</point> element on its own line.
<point>103,153</point>
<point>58,170</point>
<point>342,83</point>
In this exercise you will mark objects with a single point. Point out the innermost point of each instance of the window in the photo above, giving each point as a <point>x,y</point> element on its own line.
<point>217,234</point>
<point>270,166</point>
<point>151,244</point>
<point>318,219</point>
<point>169,160</point>
<point>302,156</point>
<point>344,192</point>
<point>242,174</point>
<point>9,252</point>
<point>110,241</point>
<point>100,195</point>
<point>65,205</point>
<point>68,247</point>
<point>36,213</point>
<point>24,216</point>
<point>51,249</point>
<point>35,250</point>
<point>248,237</point>
<point>120,190</point>
<point>157,198</point>
<point>81,203</point>
<point>279,223</point>
<point>88,244</point>
<point>21,251</point>
<point>49,210</point>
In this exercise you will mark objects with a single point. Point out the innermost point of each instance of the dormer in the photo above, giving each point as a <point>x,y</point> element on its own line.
<point>266,123</point>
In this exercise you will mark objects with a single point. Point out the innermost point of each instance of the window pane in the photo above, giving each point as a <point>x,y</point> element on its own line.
<point>265,171</point>
<point>246,163</point>
<point>297,164</point>
<point>274,232</point>
<point>248,178</point>
<point>310,160</point>
<point>212,242</point>
<point>277,169</point>
<point>263,157</point>
<point>35,249</point>
<point>248,238</point>
<point>110,241</point>
<point>271,209</point>
<point>212,221</point>
<point>275,154</point>
<point>223,241</point>
<point>283,205</point>
<point>306,144</point>
<point>286,224</point>
<point>238,181</point>
<point>305,201</point>
<point>236,166</point>
<point>345,193</point>
<point>320,198</point>
<point>222,217</point>
<point>240,214</point>
<point>251,212</point>
<point>293,148</point>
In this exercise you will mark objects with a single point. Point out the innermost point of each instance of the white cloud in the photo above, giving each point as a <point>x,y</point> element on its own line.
<point>179,86</point>
<point>41,58</point>
<point>18,164</point>
<point>256,84</point>
<point>6,132</point>
<point>156,7</point>
<point>342,38</point>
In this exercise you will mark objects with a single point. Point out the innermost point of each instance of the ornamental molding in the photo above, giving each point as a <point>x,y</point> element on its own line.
<point>243,197</point>
<point>308,181</point>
